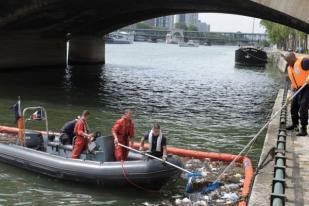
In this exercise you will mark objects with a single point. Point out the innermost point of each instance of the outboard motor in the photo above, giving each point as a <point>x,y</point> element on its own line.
<point>34,140</point>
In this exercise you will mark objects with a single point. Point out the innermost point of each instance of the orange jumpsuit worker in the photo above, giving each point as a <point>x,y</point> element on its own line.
<point>123,131</point>
<point>298,71</point>
<point>82,137</point>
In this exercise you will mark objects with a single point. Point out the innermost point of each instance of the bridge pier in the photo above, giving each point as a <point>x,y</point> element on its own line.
<point>86,50</point>
<point>31,50</point>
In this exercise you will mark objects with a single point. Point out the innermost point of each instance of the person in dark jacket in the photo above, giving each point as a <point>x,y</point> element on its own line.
<point>67,132</point>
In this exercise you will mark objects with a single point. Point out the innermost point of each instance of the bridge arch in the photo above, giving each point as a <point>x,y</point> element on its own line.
<point>93,16</point>
<point>32,26</point>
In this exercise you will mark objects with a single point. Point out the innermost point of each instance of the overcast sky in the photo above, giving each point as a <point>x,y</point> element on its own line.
<point>230,23</point>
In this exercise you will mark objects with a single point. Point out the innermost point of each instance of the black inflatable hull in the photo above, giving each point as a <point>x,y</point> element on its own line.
<point>146,172</point>
<point>250,57</point>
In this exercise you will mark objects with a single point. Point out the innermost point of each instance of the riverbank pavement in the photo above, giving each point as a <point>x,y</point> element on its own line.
<point>262,186</point>
<point>296,170</point>
<point>297,190</point>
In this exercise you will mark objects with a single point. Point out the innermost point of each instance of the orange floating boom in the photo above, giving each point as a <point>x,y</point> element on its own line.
<point>249,173</point>
<point>9,130</point>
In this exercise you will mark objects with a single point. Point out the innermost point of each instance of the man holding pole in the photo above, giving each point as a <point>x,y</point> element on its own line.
<point>157,142</point>
<point>298,70</point>
<point>123,132</point>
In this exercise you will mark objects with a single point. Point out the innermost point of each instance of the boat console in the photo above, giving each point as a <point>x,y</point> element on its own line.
<point>102,149</point>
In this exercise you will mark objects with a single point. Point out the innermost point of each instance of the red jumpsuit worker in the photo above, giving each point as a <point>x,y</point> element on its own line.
<point>82,137</point>
<point>123,131</point>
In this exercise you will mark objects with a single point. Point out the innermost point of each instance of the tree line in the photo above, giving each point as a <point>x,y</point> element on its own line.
<point>285,37</point>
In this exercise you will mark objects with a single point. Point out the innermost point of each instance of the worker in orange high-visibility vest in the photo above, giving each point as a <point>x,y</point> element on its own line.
<point>82,135</point>
<point>298,70</point>
<point>123,132</point>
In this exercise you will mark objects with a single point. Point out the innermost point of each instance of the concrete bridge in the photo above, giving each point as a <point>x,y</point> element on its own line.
<point>202,37</point>
<point>34,32</point>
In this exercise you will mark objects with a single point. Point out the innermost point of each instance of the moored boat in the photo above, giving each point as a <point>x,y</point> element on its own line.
<point>190,43</point>
<point>250,56</point>
<point>119,37</point>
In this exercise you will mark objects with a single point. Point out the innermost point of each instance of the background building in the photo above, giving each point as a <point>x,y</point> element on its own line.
<point>164,22</point>
<point>191,19</point>
<point>203,26</point>
<point>180,18</point>
<point>150,22</point>
<point>168,22</point>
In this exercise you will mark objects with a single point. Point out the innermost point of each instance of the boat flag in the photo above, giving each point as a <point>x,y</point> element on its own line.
<point>38,115</point>
<point>16,108</point>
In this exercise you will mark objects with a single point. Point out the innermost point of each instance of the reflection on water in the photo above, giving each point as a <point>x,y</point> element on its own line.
<point>200,99</point>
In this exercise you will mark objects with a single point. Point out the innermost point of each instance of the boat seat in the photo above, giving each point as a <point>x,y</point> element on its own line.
<point>67,147</point>
<point>60,146</point>
<point>53,144</point>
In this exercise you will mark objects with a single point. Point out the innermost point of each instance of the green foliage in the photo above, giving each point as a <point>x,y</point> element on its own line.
<point>142,25</point>
<point>280,34</point>
<point>264,43</point>
<point>183,26</point>
<point>192,28</point>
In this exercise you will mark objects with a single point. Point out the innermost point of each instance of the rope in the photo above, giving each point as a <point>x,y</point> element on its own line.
<point>271,153</point>
<point>267,117</point>
<point>134,184</point>
<point>258,134</point>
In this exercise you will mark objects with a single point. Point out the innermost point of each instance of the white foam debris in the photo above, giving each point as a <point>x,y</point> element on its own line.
<point>184,202</point>
<point>200,203</point>
<point>230,188</point>
<point>149,204</point>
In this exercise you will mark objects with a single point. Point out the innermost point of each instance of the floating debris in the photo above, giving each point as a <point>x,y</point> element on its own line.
<point>227,193</point>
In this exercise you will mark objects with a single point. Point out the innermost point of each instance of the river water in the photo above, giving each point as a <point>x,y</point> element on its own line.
<point>201,100</point>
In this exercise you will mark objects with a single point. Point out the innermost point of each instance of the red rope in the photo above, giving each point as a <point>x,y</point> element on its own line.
<point>134,184</point>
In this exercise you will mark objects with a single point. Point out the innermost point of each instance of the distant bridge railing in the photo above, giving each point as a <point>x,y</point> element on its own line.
<point>207,36</point>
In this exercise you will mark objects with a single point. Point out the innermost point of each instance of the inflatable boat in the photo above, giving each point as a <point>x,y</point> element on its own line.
<point>43,153</point>
<point>246,162</point>
<point>97,167</point>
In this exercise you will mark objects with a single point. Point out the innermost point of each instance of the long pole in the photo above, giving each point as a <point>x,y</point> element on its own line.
<point>260,131</point>
<point>171,164</point>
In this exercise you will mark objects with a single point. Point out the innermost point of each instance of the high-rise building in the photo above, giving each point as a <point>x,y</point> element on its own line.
<point>180,18</point>
<point>188,19</point>
<point>168,22</point>
<point>165,22</point>
<point>202,26</point>
<point>191,19</point>
<point>150,22</point>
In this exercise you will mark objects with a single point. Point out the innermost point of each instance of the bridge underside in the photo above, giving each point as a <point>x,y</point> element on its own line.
<point>97,16</point>
<point>53,19</point>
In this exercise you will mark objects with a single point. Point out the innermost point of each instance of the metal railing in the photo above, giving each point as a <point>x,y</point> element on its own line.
<point>278,197</point>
